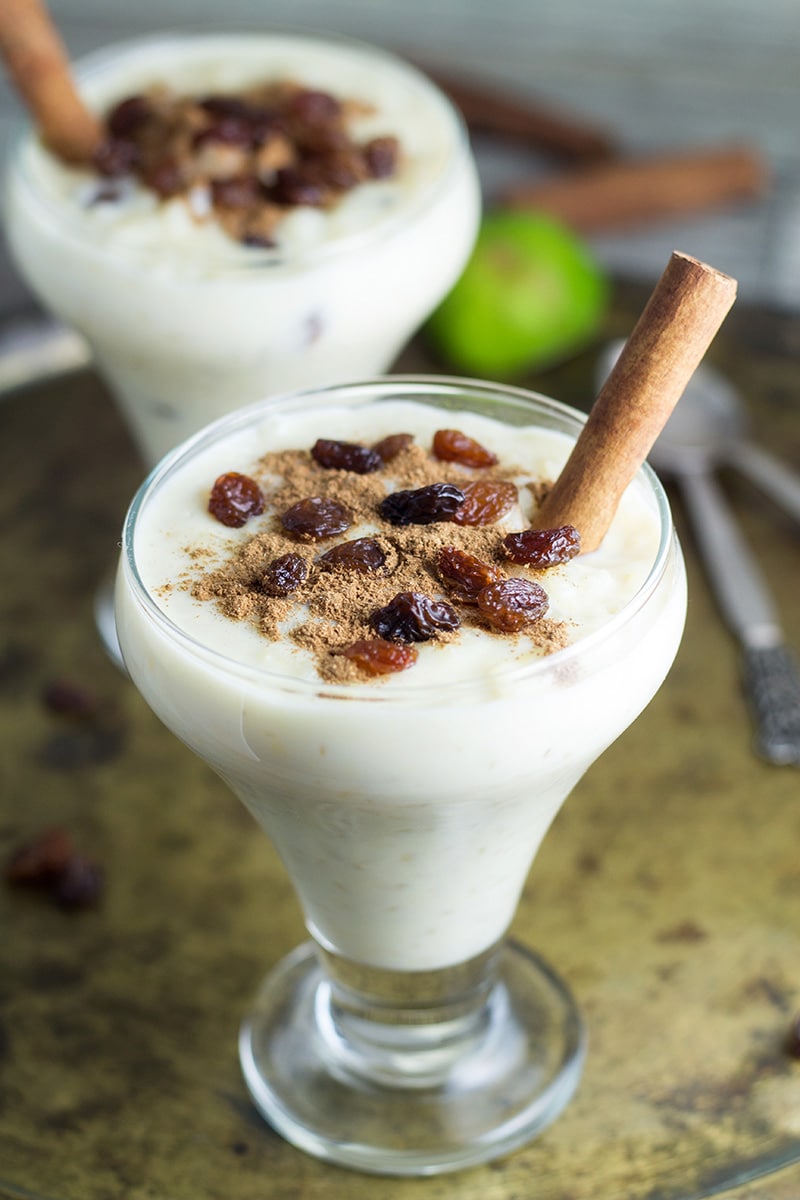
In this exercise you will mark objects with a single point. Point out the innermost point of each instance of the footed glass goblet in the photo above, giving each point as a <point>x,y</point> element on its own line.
<point>186,323</point>
<point>408,1036</point>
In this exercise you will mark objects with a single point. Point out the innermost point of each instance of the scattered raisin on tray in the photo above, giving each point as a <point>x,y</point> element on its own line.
<point>67,699</point>
<point>50,863</point>
<point>284,575</point>
<point>315,518</point>
<point>451,445</point>
<point>464,575</point>
<point>395,443</point>
<point>543,547</point>
<point>413,617</point>
<point>485,501</point>
<point>421,506</point>
<point>235,499</point>
<point>39,861</point>
<point>362,555</point>
<point>79,885</point>
<point>512,604</point>
<point>346,456</point>
<point>376,656</point>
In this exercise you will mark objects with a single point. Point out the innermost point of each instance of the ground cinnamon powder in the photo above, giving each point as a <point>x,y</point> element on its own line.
<point>332,607</point>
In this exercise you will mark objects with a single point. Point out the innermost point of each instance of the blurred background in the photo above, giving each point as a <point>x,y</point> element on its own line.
<point>665,75</point>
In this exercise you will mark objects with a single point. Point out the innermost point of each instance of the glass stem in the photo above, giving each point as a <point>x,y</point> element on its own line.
<point>407,1028</point>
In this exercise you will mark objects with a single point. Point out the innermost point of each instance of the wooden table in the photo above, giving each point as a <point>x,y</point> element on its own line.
<point>667,893</point>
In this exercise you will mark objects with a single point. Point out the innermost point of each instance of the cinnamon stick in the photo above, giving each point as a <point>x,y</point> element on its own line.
<point>39,68</point>
<point>670,338</point>
<point>560,135</point>
<point>632,192</point>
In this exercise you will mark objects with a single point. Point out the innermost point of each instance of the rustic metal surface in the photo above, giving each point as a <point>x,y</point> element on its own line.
<point>667,893</point>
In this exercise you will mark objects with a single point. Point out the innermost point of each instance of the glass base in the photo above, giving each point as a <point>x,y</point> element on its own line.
<point>106,623</point>
<point>408,1088</point>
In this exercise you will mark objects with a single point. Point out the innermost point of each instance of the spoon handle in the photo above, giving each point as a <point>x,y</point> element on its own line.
<point>739,585</point>
<point>36,350</point>
<point>768,473</point>
<point>771,677</point>
<point>772,686</point>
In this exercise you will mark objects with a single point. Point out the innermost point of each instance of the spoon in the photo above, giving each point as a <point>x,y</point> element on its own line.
<point>701,431</point>
<point>36,349</point>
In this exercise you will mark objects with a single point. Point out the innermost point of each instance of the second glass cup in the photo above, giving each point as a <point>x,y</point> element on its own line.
<point>185,323</point>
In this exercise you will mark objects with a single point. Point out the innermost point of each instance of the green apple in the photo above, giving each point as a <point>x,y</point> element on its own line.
<point>530,294</point>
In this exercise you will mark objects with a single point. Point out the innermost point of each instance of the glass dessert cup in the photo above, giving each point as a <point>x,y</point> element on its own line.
<point>408,1037</point>
<point>184,330</point>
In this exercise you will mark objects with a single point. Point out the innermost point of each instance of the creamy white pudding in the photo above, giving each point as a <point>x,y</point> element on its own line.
<point>185,322</point>
<point>407,810</point>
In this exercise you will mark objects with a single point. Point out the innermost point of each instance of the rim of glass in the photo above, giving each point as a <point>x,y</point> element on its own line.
<point>96,61</point>
<point>383,387</point>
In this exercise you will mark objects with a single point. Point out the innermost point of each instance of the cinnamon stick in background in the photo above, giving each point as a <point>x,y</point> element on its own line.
<point>670,338</point>
<point>488,110</point>
<point>39,68</point>
<point>631,192</point>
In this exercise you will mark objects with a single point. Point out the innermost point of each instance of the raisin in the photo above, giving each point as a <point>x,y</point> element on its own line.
<point>316,518</point>
<point>284,575</point>
<point>345,456</point>
<point>543,547</point>
<point>413,617</point>
<point>376,656</point>
<point>225,106</point>
<point>115,156</point>
<point>389,447</point>
<point>512,603</point>
<point>464,575</point>
<point>50,863</point>
<point>79,885</point>
<point>39,861</point>
<point>67,699</point>
<point>314,107</point>
<point>317,146</point>
<point>295,186</point>
<point>234,499</point>
<point>228,130</point>
<point>485,501</point>
<point>362,555</point>
<point>127,116</point>
<point>422,506</point>
<point>381,155</point>
<point>342,168</point>
<point>451,445</point>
